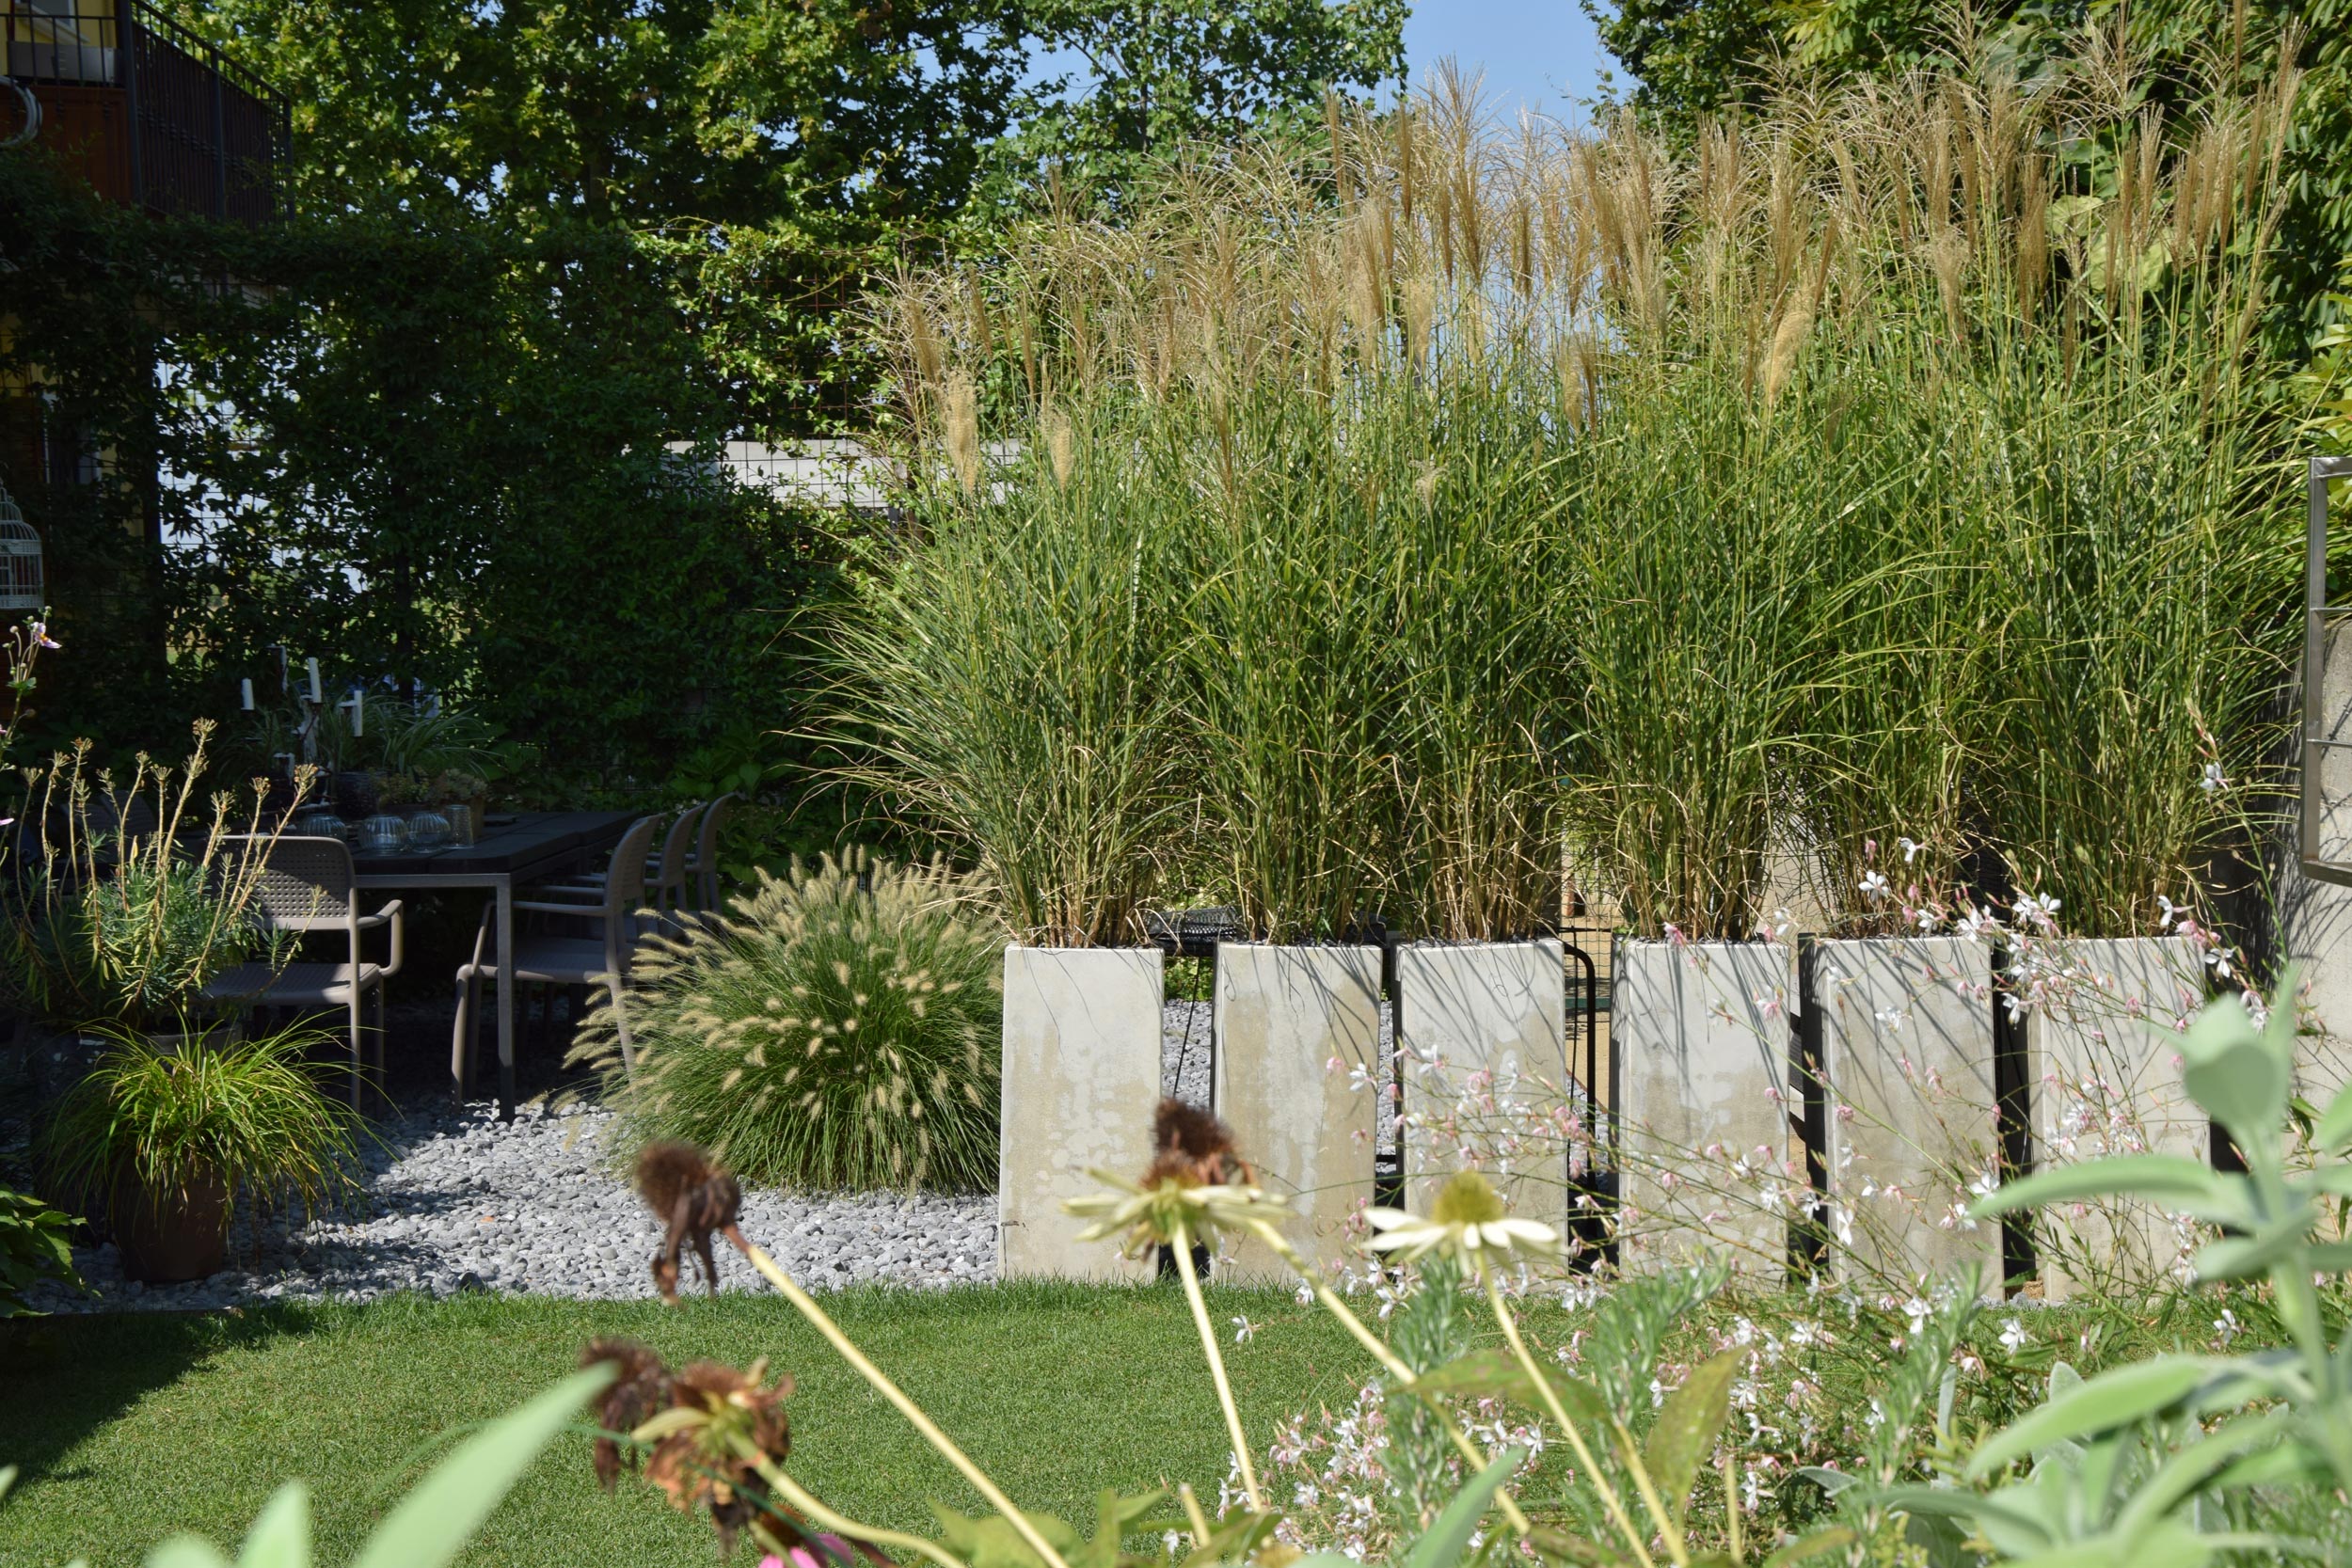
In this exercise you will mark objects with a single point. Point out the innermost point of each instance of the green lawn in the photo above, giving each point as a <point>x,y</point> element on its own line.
<point>129,1427</point>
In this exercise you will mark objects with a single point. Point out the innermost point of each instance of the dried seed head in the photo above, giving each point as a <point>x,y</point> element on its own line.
<point>1787,343</point>
<point>1061,446</point>
<point>960,421</point>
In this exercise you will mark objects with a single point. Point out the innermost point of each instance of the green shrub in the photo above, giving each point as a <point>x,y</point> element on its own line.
<point>837,1029</point>
<point>36,1243</point>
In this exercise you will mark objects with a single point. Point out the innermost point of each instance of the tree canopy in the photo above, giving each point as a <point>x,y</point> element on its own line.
<point>1692,59</point>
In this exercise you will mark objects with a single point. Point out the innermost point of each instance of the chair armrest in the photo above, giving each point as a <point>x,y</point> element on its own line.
<point>390,914</point>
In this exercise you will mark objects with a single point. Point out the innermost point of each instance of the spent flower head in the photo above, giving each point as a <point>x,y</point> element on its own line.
<point>1468,1223</point>
<point>692,1196</point>
<point>705,1428</point>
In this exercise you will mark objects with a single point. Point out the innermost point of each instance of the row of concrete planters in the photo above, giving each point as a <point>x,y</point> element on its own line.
<point>1713,1159</point>
<point>1082,1068</point>
<point>2105,1080</point>
<point>1713,1156</point>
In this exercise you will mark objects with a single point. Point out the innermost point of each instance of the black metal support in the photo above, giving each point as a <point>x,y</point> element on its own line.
<point>1808,1118</point>
<point>1595,1228</point>
<point>2013,1091</point>
<point>127,74</point>
<point>220,152</point>
<point>1388,1185</point>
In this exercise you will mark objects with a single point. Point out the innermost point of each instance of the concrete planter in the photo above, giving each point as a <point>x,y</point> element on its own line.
<point>1709,1164</point>
<point>1291,1024</point>
<point>2104,1082</point>
<point>1081,1076</point>
<point>1906,1050</point>
<point>1499,1009</point>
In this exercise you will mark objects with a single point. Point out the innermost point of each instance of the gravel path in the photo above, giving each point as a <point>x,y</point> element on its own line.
<point>454,1200</point>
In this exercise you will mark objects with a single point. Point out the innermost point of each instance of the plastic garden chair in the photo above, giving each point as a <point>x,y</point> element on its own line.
<point>701,866</point>
<point>625,918</point>
<point>664,878</point>
<point>306,885</point>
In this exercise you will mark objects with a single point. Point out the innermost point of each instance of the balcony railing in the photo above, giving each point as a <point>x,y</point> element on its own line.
<point>149,113</point>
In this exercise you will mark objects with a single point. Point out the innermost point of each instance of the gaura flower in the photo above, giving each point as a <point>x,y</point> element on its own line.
<point>1468,1223</point>
<point>1195,1183</point>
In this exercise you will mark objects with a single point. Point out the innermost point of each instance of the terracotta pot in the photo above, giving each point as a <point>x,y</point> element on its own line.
<point>174,1238</point>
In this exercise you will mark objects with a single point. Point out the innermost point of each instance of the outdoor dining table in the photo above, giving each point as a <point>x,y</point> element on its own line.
<point>531,846</point>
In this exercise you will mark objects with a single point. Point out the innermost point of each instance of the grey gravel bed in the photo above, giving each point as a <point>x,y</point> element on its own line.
<point>455,1200</point>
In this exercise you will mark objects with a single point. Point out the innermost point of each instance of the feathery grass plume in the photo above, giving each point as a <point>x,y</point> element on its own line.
<point>1060,445</point>
<point>960,429</point>
<point>836,1029</point>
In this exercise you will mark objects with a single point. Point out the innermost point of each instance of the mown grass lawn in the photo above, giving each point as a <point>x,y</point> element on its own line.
<point>129,1427</point>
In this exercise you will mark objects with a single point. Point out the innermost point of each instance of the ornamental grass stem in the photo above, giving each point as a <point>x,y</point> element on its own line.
<point>1395,1365</point>
<point>841,1524</point>
<point>806,1306</point>
<point>1559,1413</point>
<point>1182,1241</point>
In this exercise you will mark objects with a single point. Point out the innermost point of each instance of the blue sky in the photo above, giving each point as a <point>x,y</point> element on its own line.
<point>1540,52</point>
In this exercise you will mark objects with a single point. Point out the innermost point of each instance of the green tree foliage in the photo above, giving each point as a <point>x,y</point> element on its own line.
<point>637,110</point>
<point>429,448</point>
<point>831,119</point>
<point>1694,59</point>
<point>1123,80</point>
<point>452,426</point>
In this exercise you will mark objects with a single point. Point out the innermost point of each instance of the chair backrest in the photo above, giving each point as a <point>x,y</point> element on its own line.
<point>625,879</point>
<point>304,885</point>
<point>625,893</point>
<point>670,877</point>
<point>707,853</point>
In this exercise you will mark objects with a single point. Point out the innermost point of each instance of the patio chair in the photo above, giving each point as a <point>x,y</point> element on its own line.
<point>664,877</point>
<point>701,866</point>
<point>306,885</point>
<point>543,959</point>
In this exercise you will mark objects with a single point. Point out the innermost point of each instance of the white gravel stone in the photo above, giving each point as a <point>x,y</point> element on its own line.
<point>455,1200</point>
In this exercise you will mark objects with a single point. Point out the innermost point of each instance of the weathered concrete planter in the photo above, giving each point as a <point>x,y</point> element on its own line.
<point>1906,1033</point>
<point>1081,1076</point>
<point>1709,1163</point>
<point>1292,1024</point>
<point>1496,1008</point>
<point>2104,1081</point>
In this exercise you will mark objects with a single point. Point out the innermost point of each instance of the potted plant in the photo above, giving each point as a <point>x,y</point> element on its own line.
<point>165,1143</point>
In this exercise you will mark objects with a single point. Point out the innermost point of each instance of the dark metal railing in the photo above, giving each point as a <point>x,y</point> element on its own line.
<point>153,115</point>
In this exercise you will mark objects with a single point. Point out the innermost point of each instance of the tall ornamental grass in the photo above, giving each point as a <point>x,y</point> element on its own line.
<point>1010,686</point>
<point>1879,485</point>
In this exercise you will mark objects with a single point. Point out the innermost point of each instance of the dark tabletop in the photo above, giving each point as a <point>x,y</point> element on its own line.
<point>534,841</point>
